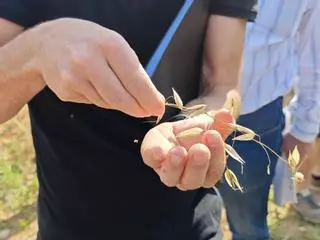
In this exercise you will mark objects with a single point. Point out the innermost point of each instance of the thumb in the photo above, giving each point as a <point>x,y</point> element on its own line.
<point>222,120</point>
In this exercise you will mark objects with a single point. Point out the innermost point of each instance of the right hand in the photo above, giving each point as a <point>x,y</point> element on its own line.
<point>83,62</point>
<point>188,162</point>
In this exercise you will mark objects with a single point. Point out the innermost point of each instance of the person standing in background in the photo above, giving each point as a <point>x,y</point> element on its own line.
<point>281,44</point>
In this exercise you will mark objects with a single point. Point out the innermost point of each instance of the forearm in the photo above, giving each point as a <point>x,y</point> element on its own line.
<point>222,60</point>
<point>18,82</point>
<point>223,53</point>
<point>305,108</point>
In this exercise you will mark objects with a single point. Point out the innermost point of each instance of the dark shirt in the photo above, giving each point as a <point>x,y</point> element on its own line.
<point>93,182</point>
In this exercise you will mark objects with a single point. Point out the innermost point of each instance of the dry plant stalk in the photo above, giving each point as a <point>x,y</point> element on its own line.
<point>233,105</point>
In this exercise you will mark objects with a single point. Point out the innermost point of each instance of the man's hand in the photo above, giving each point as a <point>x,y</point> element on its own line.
<point>289,143</point>
<point>189,161</point>
<point>83,62</point>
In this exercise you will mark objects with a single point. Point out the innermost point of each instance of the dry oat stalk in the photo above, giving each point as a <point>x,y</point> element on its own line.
<point>294,158</point>
<point>196,107</point>
<point>195,110</point>
<point>232,180</point>
<point>244,137</point>
<point>233,153</point>
<point>242,129</point>
<point>192,132</point>
<point>298,177</point>
<point>233,105</point>
<point>177,99</point>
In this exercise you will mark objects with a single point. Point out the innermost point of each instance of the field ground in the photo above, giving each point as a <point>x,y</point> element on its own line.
<point>18,190</point>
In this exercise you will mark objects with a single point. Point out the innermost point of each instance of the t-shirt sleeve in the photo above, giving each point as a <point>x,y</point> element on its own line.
<point>245,9</point>
<point>18,11</point>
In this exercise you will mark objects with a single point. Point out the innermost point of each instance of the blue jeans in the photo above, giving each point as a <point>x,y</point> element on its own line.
<point>247,211</point>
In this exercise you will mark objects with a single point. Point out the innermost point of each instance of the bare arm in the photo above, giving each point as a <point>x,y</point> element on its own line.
<point>16,86</point>
<point>223,53</point>
<point>81,62</point>
<point>222,59</point>
<point>221,70</point>
<point>9,31</point>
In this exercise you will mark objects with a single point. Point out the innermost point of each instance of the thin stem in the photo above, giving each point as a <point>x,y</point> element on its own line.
<point>281,158</point>
<point>264,148</point>
<point>172,105</point>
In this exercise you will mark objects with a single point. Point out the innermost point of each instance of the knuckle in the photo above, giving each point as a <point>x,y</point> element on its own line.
<point>116,41</point>
<point>81,55</point>
<point>117,45</point>
<point>67,79</point>
<point>117,99</point>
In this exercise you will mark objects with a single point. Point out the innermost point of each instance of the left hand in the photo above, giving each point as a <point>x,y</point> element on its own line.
<point>188,162</point>
<point>305,149</point>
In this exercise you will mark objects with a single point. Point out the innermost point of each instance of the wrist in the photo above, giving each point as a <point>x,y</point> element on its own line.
<point>17,66</point>
<point>216,98</point>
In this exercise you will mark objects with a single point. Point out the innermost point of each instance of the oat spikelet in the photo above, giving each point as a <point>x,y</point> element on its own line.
<point>298,177</point>
<point>244,137</point>
<point>190,132</point>
<point>196,107</point>
<point>243,129</point>
<point>177,99</point>
<point>294,158</point>
<point>158,119</point>
<point>171,105</point>
<point>230,151</point>
<point>232,180</point>
<point>233,104</point>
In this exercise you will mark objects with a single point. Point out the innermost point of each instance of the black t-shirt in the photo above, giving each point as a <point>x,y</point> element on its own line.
<point>93,182</point>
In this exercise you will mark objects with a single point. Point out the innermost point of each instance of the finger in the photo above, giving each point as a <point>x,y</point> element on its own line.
<point>92,94</point>
<point>125,63</point>
<point>107,85</point>
<point>61,83</point>
<point>71,96</point>
<point>183,130</point>
<point>212,139</point>
<point>172,168</point>
<point>112,91</point>
<point>196,168</point>
<point>79,98</point>
<point>218,120</point>
<point>83,87</point>
<point>155,148</point>
<point>222,121</point>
